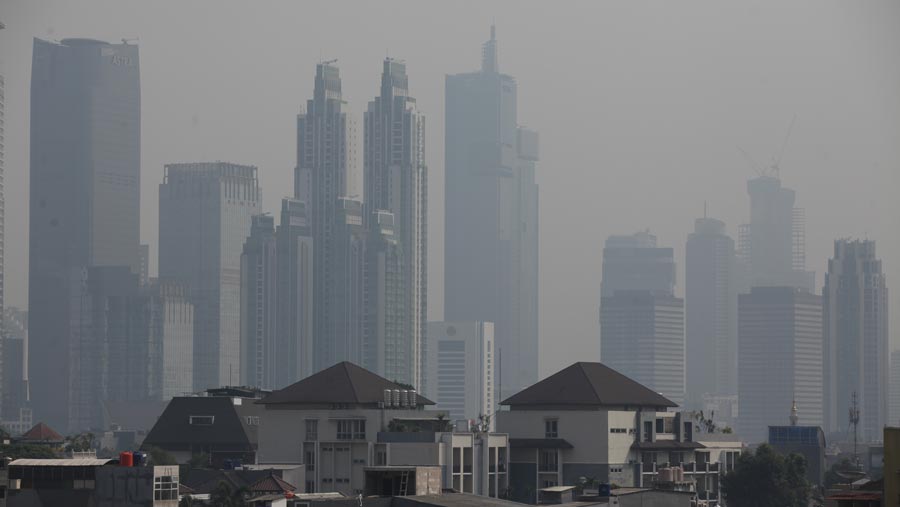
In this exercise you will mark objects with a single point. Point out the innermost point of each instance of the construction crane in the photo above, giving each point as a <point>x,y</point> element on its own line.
<point>774,170</point>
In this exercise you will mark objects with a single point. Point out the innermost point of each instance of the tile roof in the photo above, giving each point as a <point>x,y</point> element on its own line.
<point>344,382</point>
<point>272,483</point>
<point>40,432</point>
<point>588,384</point>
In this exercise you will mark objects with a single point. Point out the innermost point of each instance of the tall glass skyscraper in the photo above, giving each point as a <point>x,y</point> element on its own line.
<point>325,160</point>
<point>84,194</point>
<point>395,206</point>
<point>205,213</point>
<point>491,228</point>
<point>856,338</point>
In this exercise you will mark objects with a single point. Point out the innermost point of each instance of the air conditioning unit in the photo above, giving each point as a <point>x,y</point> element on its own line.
<point>15,484</point>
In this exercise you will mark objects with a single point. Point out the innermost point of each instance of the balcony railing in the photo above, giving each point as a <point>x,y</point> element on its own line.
<point>548,467</point>
<point>689,468</point>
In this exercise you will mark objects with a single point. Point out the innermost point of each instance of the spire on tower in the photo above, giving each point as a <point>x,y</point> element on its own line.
<point>489,62</point>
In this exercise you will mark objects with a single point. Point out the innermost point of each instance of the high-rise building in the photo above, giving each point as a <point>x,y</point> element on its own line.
<point>349,303</point>
<point>711,312</point>
<point>325,161</point>
<point>294,329</point>
<point>460,369</point>
<point>856,338</point>
<point>779,358</point>
<point>491,224</point>
<point>15,395</point>
<point>259,303</point>
<point>642,336</point>
<point>634,262</point>
<point>167,310</point>
<point>387,347</point>
<point>894,391</point>
<point>774,248</point>
<point>205,212</point>
<point>84,194</point>
<point>396,182</point>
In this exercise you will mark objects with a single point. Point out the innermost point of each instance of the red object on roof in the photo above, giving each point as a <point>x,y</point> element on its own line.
<point>40,432</point>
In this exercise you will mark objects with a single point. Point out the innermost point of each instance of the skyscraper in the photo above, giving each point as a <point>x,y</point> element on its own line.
<point>641,321</point>
<point>461,368</point>
<point>634,262</point>
<point>325,160</point>
<point>396,182</point>
<point>775,247</point>
<point>84,193</point>
<point>491,222</point>
<point>259,272</point>
<point>856,338</point>
<point>711,311</point>
<point>294,338</point>
<point>894,390</point>
<point>205,212</point>
<point>779,358</point>
<point>642,336</point>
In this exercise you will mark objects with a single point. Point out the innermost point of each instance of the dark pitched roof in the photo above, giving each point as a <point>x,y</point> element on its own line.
<point>344,382</point>
<point>40,432</point>
<point>229,429</point>
<point>589,384</point>
<point>539,443</point>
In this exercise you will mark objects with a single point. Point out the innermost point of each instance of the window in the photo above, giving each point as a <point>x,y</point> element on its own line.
<point>312,430</point>
<point>615,470</point>
<point>665,425</point>
<point>648,431</point>
<point>551,428</point>
<point>618,430</point>
<point>201,420</point>
<point>311,460</point>
<point>549,484</point>
<point>165,488</point>
<point>548,461</point>
<point>351,429</point>
<point>676,458</point>
<point>688,432</point>
<point>380,458</point>
<point>701,458</point>
<point>310,486</point>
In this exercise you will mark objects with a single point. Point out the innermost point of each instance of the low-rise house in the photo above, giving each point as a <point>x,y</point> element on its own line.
<point>222,425</point>
<point>345,420</point>
<point>589,423</point>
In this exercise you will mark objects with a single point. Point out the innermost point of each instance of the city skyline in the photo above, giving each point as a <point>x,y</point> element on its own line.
<point>725,156</point>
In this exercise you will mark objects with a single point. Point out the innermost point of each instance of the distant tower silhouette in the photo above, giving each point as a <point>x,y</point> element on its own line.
<point>794,417</point>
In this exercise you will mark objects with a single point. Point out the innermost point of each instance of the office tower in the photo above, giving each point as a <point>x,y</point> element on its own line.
<point>894,391</point>
<point>259,270</point>
<point>642,336</point>
<point>2,203</point>
<point>491,217</point>
<point>15,396</point>
<point>294,338</point>
<point>387,348</point>
<point>634,262</point>
<point>84,193</point>
<point>775,243</point>
<point>711,312</point>
<point>205,212</point>
<point>779,358</point>
<point>347,327</point>
<point>325,151</point>
<point>461,368</point>
<point>856,338</point>
<point>396,182</point>
<point>166,307</point>
<point>102,300</point>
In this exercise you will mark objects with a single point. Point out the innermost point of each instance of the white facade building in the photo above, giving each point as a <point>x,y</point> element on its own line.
<point>460,368</point>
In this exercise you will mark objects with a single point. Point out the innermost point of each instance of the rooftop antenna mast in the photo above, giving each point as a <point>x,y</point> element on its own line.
<point>854,421</point>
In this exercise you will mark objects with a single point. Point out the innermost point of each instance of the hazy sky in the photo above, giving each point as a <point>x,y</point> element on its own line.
<point>640,106</point>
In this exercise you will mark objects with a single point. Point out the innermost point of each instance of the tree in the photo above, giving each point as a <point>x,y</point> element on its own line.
<point>199,460</point>
<point>226,496</point>
<point>842,472</point>
<point>20,451</point>
<point>80,442</point>
<point>159,457</point>
<point>767,479</point>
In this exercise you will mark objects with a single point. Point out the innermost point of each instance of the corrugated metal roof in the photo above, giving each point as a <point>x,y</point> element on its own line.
<point>76,462</point>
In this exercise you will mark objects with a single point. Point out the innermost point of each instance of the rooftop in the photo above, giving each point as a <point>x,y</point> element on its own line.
<point>343,383</point>
<point>589,384</point>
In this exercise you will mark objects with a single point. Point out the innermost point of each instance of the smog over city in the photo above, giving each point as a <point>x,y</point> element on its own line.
<point>484,218</point>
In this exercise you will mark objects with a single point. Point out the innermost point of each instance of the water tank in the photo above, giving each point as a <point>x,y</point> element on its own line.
<point>679,474</point>
<point>139,459</point>
<point>126,459</point>
<point>665,475</point>
<point>395,398</point>
<point>404,398</point>
<point>413,398</point>
<point>387,398</point>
